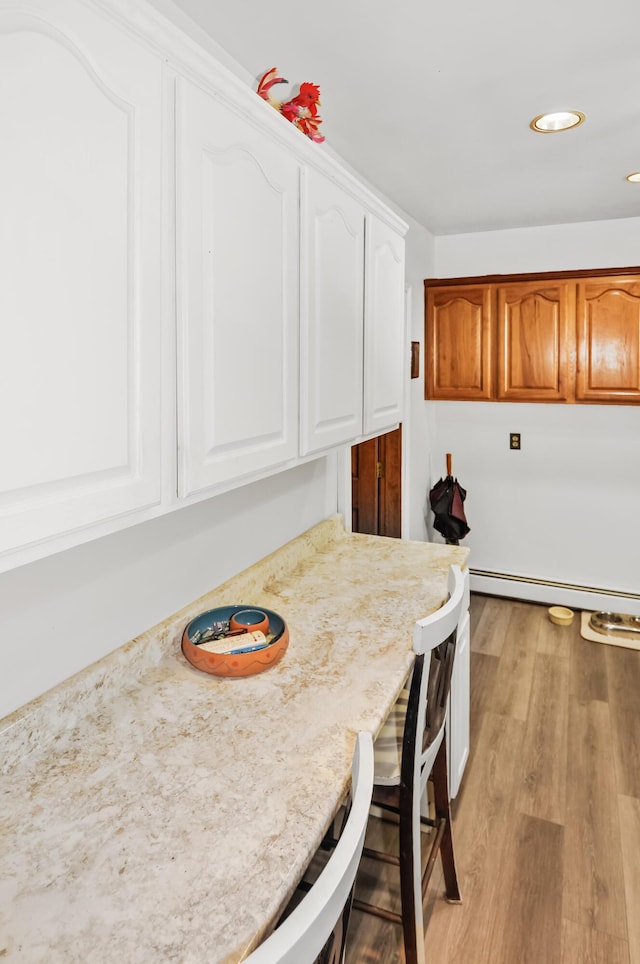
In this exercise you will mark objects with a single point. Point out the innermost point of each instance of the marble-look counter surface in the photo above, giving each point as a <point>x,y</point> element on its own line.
<point>151,812</point>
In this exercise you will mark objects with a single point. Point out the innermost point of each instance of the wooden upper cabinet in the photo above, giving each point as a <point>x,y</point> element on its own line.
<point>459,342</point>
<point>534,342</point>
<point>546,337</point>
<point>608,333</point>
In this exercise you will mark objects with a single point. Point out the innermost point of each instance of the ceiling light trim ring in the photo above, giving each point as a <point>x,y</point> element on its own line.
<point>557,121</point>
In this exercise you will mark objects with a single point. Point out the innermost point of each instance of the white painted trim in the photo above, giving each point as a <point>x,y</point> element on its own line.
<point>331,497</point>
<point>344,485</point>
<point>405,481</point>
<point>552,594</point>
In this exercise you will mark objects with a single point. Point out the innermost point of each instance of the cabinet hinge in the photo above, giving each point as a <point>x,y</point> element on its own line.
<point>379,470</point>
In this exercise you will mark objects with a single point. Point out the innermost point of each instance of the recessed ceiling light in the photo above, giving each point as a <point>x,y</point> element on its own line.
<point>561,120</point>
<point>634,178</point>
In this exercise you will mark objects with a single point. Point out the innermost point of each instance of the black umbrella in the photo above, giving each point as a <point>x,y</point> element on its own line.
<point>446,499</point>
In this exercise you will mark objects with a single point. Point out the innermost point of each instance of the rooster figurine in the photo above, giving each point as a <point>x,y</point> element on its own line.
<point>301,110</point>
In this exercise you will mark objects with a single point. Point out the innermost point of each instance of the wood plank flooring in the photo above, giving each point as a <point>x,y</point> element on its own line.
<point>547,823</point>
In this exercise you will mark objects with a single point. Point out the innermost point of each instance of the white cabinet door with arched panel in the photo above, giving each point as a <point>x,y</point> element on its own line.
<point>331,324</point>
<point>238,309</point>
<point>80,196</point>
<point>383,326</point>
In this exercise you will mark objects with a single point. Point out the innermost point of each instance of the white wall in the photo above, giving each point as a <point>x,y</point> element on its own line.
<point>556,247</point>
<point>567,506</point>
<point>418,425</point>
<point>62,613</point>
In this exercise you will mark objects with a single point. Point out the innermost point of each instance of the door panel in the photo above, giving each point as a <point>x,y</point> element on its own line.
<point>80,195</point>
<point>331,324</point>
<point>459,342</point>
<point>376,485</point>
<point>384,327</point>
<point>608,314</point>
<point>389,495</point>
<point>364,487</point>
<point>237,278</point>
<point>533,341</point>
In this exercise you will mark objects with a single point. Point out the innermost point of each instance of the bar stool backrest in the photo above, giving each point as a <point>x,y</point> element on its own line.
<point>316,929</point>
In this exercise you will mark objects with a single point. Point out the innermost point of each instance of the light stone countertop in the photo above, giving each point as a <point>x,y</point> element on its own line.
<point>151,812</point>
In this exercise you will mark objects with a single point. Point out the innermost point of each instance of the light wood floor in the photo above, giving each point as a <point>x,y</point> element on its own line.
<point>547,823</point>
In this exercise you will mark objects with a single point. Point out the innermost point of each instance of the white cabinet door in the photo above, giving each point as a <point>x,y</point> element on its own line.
<point>384,326</point>
<point>238,311</point>
<point>331,323</point>
<point>459,708</point>
<point>80,192</point>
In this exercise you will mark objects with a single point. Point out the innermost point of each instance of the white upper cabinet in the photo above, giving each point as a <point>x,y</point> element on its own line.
<point>332,296</point>
<point>115,196</point>
<point>80,196</point>
<point>237,294</point>
<point>384,326</point>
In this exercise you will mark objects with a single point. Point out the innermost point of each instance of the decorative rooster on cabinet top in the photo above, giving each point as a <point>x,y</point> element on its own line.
<point>301,110</point>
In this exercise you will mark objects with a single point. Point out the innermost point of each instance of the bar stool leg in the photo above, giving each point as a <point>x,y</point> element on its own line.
<point>443,811</point>
<point>411,880</point>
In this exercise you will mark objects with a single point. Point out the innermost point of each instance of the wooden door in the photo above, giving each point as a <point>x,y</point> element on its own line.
<point>376,476</point>
<point>459,337</point>
<point>237,294</point>
<point>80,196</point>
<point>534,341</point>
<point>608,331</point>
<point>331,321</point>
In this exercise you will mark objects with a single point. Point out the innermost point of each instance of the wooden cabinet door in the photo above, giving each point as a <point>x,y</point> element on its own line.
<point>383,326</point>
<point>331,322</point>
<point>80,196</point>
<point>534,341</point>
<point>237,295</point>
<point>459,342</point>
<point>608,331</point>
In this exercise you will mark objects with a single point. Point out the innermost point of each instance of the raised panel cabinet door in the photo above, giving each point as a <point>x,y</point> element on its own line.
<point>608,331</point>
<point>237,294</point>
<point>458,340</point>
<point>80,196</point>
<point>331,322</point>
<point>383,326</point>
<point>534,341</point>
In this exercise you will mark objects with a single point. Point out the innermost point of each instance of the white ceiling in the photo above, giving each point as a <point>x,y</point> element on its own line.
<point>411,93</point>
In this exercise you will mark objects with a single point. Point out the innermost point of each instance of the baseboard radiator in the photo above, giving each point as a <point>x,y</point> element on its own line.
<point>589,598</point>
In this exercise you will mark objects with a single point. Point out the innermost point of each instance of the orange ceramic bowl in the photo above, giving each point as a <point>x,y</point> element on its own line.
<point>238,664</point>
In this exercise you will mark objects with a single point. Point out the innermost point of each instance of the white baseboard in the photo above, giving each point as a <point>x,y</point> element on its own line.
<point>553,593</point>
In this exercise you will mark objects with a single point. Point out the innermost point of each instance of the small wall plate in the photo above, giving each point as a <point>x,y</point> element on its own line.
<point>415,359</point>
